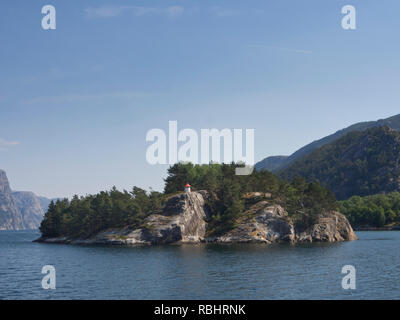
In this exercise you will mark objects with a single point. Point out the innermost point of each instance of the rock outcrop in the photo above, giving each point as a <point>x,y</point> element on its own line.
<point>183,220</point>
<point>264,223</point>
<point>330,227</point>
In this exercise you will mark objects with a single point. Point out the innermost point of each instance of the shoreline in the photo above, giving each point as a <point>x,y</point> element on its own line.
<point>118,242</point>
<point>394,228</point>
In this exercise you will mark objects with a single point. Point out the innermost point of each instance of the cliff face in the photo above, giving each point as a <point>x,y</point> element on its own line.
<point>182,220</point>
<point>18,210</point>
<point>10,216</point>
<point>30,208</point>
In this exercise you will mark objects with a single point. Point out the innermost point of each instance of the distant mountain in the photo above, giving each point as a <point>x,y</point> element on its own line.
<point>44,203</point>
<point>271,163</point>
<point>360,163</point>
<point>10,216</point>
<point>19,210</point>
<point>278,163</point>
<point>29,206</point>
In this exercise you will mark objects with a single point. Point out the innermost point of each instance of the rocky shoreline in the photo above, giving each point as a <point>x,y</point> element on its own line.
<point>183,220</point>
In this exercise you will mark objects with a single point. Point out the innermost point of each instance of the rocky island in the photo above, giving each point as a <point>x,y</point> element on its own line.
<point>183,219</point>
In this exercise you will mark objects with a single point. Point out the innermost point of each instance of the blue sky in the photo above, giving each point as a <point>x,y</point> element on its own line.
<point>76,102</point>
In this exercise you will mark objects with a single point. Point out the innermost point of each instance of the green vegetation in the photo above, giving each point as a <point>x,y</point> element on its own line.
<point>302,200</point>
<point>372,211</point>
<point>86,216</point>
<point>360,163</point>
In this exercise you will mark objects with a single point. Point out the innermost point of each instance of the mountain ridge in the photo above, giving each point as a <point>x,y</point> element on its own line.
<point>360,163</point>
<point>278,163</point>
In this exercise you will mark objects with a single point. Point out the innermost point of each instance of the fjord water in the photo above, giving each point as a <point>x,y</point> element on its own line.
<point>311,271</point>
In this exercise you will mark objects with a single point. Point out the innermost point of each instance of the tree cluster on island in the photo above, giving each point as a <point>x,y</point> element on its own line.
<point>83,217</point>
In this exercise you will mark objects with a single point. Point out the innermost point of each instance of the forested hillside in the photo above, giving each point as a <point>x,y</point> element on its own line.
<point>360,163</point>
<point>372,211</point>
<point>277,163</point>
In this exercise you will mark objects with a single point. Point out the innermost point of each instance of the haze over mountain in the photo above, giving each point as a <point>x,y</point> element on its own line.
<point>278,163</point>
<point>10,216</point>
<point>31,210</point>
<point>19,210</point>
<point>360,163</point>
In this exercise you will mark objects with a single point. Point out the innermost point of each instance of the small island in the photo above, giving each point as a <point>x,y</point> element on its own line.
<point>218,207</point>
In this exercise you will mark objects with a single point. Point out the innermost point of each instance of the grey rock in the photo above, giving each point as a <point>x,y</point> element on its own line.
<point>330,227</point>
<point>265,223</point>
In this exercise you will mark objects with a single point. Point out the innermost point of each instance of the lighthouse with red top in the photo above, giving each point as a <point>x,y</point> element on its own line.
<point>187,187</point>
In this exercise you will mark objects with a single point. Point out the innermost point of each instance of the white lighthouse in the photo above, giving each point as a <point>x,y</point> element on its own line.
<point>187,187</point>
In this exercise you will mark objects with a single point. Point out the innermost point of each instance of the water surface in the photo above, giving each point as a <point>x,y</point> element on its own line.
<point>310,271</point>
